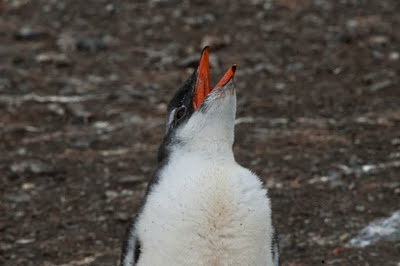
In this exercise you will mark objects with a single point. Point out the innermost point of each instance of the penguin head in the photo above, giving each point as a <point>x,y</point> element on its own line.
<point>201,118</point>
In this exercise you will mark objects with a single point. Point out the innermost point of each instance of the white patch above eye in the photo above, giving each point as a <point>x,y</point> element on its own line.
<point>170,119</point>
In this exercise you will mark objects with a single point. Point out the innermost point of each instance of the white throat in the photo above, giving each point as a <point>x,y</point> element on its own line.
<point>210,131</point>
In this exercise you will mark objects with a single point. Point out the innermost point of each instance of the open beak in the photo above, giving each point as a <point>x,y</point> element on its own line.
<point>202,87</point>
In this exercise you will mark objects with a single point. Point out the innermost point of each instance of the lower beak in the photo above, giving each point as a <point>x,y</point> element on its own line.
<point>227,77</point>
<point>202,87</point>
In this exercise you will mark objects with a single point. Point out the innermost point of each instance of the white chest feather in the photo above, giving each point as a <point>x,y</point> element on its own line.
<point>205,213</point>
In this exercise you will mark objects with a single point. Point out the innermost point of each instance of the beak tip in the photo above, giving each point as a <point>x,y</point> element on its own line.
<point>205,49</point>
<point>234,68</point>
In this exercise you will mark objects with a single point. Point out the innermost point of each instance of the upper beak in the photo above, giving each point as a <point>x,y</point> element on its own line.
<point>202,87</point>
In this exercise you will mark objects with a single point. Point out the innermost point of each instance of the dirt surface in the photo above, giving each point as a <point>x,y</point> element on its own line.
<point>83,93</point>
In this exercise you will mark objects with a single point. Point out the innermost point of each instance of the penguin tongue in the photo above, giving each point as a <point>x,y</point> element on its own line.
<point>202,87</point>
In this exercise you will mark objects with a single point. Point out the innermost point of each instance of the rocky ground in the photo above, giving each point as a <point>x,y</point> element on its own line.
<point>83,93</point>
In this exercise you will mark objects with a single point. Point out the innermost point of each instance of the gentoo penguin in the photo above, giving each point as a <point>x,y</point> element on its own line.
<point>202,208</point>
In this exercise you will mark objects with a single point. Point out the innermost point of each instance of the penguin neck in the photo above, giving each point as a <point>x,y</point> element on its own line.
<point>206,150</point>
<point>213,140</point>
<point>210,150</point>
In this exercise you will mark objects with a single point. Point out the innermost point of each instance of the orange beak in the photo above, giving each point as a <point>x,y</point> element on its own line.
<point>227,77</point>
<point>203,88</point>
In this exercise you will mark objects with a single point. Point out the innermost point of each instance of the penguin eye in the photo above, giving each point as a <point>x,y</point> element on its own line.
<point>180,113</point>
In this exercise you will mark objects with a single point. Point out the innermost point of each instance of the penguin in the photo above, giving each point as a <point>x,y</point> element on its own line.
<point>202,207</point>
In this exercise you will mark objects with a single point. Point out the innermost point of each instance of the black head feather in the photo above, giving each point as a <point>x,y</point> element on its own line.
<point>181,105</point>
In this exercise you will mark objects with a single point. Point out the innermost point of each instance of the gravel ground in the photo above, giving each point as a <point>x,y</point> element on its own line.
<point>83,93</point>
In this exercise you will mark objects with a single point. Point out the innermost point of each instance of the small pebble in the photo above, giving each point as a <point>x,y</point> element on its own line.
<point>378,40</point>
<point>360,208</point>
<point>122,216</point>
<point>111,194</point>
<point>19,197</point>
<point>56,109</point>
<point>91,45</point>
<point>35,167</point>
<point>24,241</point>
<point>60,60</point>
<point>28,186</point>
<point>201,21</point>
<point>110,8</point>
<point>28,34</point>
<point>130,179</point>
<point>394,56</point>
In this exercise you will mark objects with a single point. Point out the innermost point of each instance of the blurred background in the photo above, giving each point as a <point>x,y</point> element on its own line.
<point>83,93</point>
